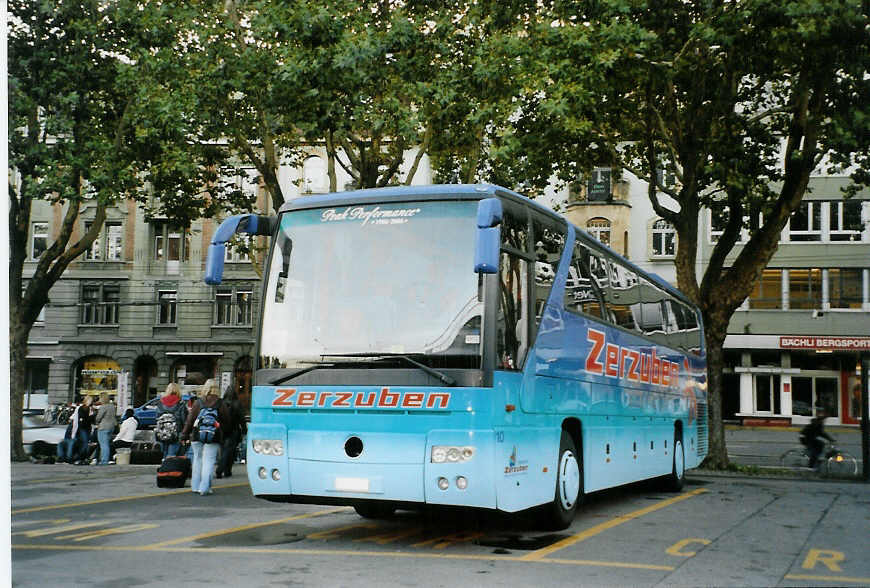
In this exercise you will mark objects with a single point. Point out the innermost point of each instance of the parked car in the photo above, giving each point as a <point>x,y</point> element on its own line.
<point>34,428</point>
<point>147,413</point>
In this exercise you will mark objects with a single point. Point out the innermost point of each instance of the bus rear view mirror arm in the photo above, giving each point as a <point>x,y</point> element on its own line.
<point>251,224</point>
<point>488,238</point>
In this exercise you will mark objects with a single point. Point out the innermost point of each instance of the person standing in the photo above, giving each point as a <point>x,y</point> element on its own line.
<point>106,421</point>
<point>203,428</point>
<point>168,428</point>
<point>233,434</point>
<point>83,421</point>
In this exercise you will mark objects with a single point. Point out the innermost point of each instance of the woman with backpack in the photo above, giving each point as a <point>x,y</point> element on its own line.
<point>171,416</point>
<point>204,428</point>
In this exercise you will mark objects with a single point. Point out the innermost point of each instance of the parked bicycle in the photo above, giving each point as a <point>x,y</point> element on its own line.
<point>58,414</point>
<point>833,461</point>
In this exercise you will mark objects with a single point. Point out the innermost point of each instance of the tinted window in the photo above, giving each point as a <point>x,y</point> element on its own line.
<point>582,291</point>
<point>621,295</point>
<point>549,243</point>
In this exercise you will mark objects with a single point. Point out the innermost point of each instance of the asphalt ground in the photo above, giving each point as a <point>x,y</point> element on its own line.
<point>758,526</point>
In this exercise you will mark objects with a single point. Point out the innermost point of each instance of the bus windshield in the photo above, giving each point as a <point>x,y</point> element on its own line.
<point>373,280</point>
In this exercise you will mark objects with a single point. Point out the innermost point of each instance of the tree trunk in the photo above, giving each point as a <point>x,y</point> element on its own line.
<point>18,333</point>
<point>717,452</point>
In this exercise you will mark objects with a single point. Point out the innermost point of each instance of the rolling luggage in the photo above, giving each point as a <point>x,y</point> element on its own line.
<point>173,472</point>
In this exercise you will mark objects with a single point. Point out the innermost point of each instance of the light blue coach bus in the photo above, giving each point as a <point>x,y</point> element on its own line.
<point>462,345</point>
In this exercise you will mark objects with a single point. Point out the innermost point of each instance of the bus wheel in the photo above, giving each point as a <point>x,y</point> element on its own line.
<point>569,485</point>
<point>374,510</point>
<point>675,480</point>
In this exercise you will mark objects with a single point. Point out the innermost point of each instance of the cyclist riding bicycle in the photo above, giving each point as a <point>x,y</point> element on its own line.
<point>812,436</point>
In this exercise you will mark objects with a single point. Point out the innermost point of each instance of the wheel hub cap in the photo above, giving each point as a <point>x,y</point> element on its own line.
<point>569,480</point>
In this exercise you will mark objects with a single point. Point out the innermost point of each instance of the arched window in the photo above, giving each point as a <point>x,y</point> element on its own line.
<point>599,228</point>
<point>314,175</point>
<point>664,238</point>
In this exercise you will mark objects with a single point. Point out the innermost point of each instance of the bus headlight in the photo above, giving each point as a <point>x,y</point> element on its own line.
<point>451,453</point>
<point>268,446</point>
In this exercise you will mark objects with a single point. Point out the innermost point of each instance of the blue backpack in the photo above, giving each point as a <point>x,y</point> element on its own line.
<point>209,427</point>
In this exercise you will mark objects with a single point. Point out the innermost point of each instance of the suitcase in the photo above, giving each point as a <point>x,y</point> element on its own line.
<point>173,472</point>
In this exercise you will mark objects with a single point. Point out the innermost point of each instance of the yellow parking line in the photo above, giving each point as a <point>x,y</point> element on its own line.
<point>348,553</point>
<point>157,546</point>
<point>60,529</point>
<point>608,564</point>
<point>114,531</point>
<point>391,536</point>
<point>116,499</point>
<point>615,522</point>
<point>834,579</point>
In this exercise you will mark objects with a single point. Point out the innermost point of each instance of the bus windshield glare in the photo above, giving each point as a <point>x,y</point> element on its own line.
<point>373,280</point>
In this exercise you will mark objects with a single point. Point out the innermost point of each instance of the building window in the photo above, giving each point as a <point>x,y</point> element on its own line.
<point>100,304</point>
<point>767,293</point>
<point>39,240</point>
<point>171,243</point>
<point>664,238</point>
<point>167,301</point>
<point>805,288</point>
<point>718,221</point>
<point>233,307</point>
<point>108,245</point>
<point>846,287</point>
<point>805,223</point>
<point>314,176</point>
<point>845,221</point>
<point>599,228</point>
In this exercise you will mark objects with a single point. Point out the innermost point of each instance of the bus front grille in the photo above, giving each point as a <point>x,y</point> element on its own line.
<point>702,429</point>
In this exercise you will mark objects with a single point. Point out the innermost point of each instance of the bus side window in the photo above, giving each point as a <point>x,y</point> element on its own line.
<point>549,243</point>
<point>621,296</point>
<point>582,292</point>
<point>687,326</point>
<point>512,321</point>
<point>652,315</point>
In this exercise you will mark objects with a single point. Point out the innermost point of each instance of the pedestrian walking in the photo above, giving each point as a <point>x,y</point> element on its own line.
<point>171,416</point>
<point>204,428</point>
<point>236,428</point>
<point>106,421</point>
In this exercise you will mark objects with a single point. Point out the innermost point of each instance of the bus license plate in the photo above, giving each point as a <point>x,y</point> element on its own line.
<point>352,484</point>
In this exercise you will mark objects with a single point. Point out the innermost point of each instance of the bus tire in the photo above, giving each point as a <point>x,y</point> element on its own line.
<point>569,485</point>
<point>675,480</point>
<point>374,510</point>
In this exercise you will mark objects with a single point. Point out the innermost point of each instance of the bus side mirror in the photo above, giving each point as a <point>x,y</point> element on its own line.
<point>214,264</point>
<point>488,238</point>
<point>251,224</point>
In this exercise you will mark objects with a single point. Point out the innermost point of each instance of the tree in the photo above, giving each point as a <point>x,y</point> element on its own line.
<point>743,100</point>
<point>89,128</point>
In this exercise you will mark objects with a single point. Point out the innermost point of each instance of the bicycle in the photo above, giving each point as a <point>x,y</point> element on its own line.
<point>833,462</point>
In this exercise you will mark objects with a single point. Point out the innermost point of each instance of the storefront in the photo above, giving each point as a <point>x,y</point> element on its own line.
<point>787,380</point>
<point>96,376</point>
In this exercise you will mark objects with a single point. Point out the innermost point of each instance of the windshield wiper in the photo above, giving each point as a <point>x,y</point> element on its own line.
<point>442,377</point>
<point>292,375</point>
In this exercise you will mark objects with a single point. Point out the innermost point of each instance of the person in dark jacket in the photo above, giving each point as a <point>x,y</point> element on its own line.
<point>205,453</point>
<point>84,421</point>
<point>812,437</point>
<point>235,430</point>
<point>172,403</point>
